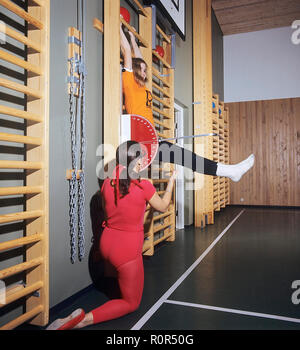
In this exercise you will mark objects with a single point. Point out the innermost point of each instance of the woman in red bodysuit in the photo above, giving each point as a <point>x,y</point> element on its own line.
<point>125,197</point>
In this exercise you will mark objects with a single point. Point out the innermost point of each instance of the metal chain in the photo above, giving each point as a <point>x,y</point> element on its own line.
<point>81,194</point>
<point>78,134</point>
<point>73,190</point>
<point>81,181</point>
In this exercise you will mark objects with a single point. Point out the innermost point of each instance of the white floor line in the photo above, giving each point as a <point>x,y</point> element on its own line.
<point>234,311</point>
<point>157,305</point>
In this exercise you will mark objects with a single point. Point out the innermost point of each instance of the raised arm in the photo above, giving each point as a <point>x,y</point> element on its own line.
<point>126,50</point>
<point>136,50</point>
<point>162,204</point>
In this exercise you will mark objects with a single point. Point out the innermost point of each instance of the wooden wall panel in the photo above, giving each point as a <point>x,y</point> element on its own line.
<point>271,130</point>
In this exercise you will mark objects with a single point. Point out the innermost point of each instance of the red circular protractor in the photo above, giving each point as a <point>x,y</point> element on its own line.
<point>143,131</point>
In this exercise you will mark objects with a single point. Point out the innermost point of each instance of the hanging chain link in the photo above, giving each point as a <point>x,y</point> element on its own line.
<point>78,147</point>
<point>81,181</point>
<point>73,181</point>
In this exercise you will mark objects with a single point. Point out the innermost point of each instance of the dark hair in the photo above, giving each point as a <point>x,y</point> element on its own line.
<point>136,67</point>
<point>127,155</point>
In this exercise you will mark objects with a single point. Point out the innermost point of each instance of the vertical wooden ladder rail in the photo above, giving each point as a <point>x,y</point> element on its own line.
<point>202,72</point>
<point>163,96</point>
<point>168,108</point>
<point>145,25</point>
<point>35,242</point>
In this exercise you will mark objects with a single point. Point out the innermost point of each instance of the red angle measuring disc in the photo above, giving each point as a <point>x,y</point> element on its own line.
<point>137,128</point>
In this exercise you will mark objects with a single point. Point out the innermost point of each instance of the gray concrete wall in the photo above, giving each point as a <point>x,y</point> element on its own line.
<point>66,278</point>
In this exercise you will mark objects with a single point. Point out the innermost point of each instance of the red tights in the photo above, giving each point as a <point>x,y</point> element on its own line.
<point>124,251</point>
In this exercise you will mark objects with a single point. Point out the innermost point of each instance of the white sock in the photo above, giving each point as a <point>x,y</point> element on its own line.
<point>236,171</point>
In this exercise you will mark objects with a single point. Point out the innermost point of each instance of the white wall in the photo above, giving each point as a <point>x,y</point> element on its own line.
<point>261,65</point>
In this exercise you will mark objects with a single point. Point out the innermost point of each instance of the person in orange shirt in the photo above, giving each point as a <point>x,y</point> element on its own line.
<point>138,100</point>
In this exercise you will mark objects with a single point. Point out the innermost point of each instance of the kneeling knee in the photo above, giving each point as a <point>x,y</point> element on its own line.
<point>134,306</point>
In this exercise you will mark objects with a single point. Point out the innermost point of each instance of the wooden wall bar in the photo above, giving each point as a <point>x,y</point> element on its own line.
<point>202,70</point>
<point>112,83</point>
<point>271,130</point>
<point>160,227</point>
<point>35,243</point>
<point>220,116</point>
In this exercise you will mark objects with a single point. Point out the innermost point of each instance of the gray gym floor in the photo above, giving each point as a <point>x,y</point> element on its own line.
<point>234,275</point>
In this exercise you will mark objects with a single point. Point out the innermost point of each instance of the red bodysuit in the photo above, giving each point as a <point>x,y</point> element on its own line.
<point>121,244</point>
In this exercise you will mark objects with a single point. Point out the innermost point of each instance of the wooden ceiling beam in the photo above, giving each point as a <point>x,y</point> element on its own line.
<point>227,4</point>
<point>256,25</point>
<point>240,16</point>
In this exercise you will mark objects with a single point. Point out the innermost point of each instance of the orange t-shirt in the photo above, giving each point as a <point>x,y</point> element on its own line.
<point>138,100</point>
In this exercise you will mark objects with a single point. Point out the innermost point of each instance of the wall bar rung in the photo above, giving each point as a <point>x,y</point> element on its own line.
<point>143,12</point>
<point>20,114</point>
<point>160,227</point>
<point>163,34</point>
<point>157,74</point>
<point>161,101</point>
<point>160,112</point>
<point>157,217</point>
<point>159,181</point>
<point>137,35</point>
<point>8,191</point>
<point>23,318</point>
<point>10,290</point>
<point>36,3</point>
<point>97,24</point>
<point>164,237</point>
<point>164,62</point>
<point>14,164</point>
<point>15,243</point>
<point>147,245</point>
<point>160,89</point>
<point>29,140</point>
<point>13,270</point>
<point>21,88</point>
<point>25,215</point>
<point>21,13</point>
<point>160,123</point>
<point>163,136</point>
<point>21,63</point>
<point>22,293</point>
<point>32,46</point>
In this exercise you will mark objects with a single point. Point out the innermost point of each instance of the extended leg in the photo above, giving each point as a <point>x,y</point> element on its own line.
<point>171,153</point>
